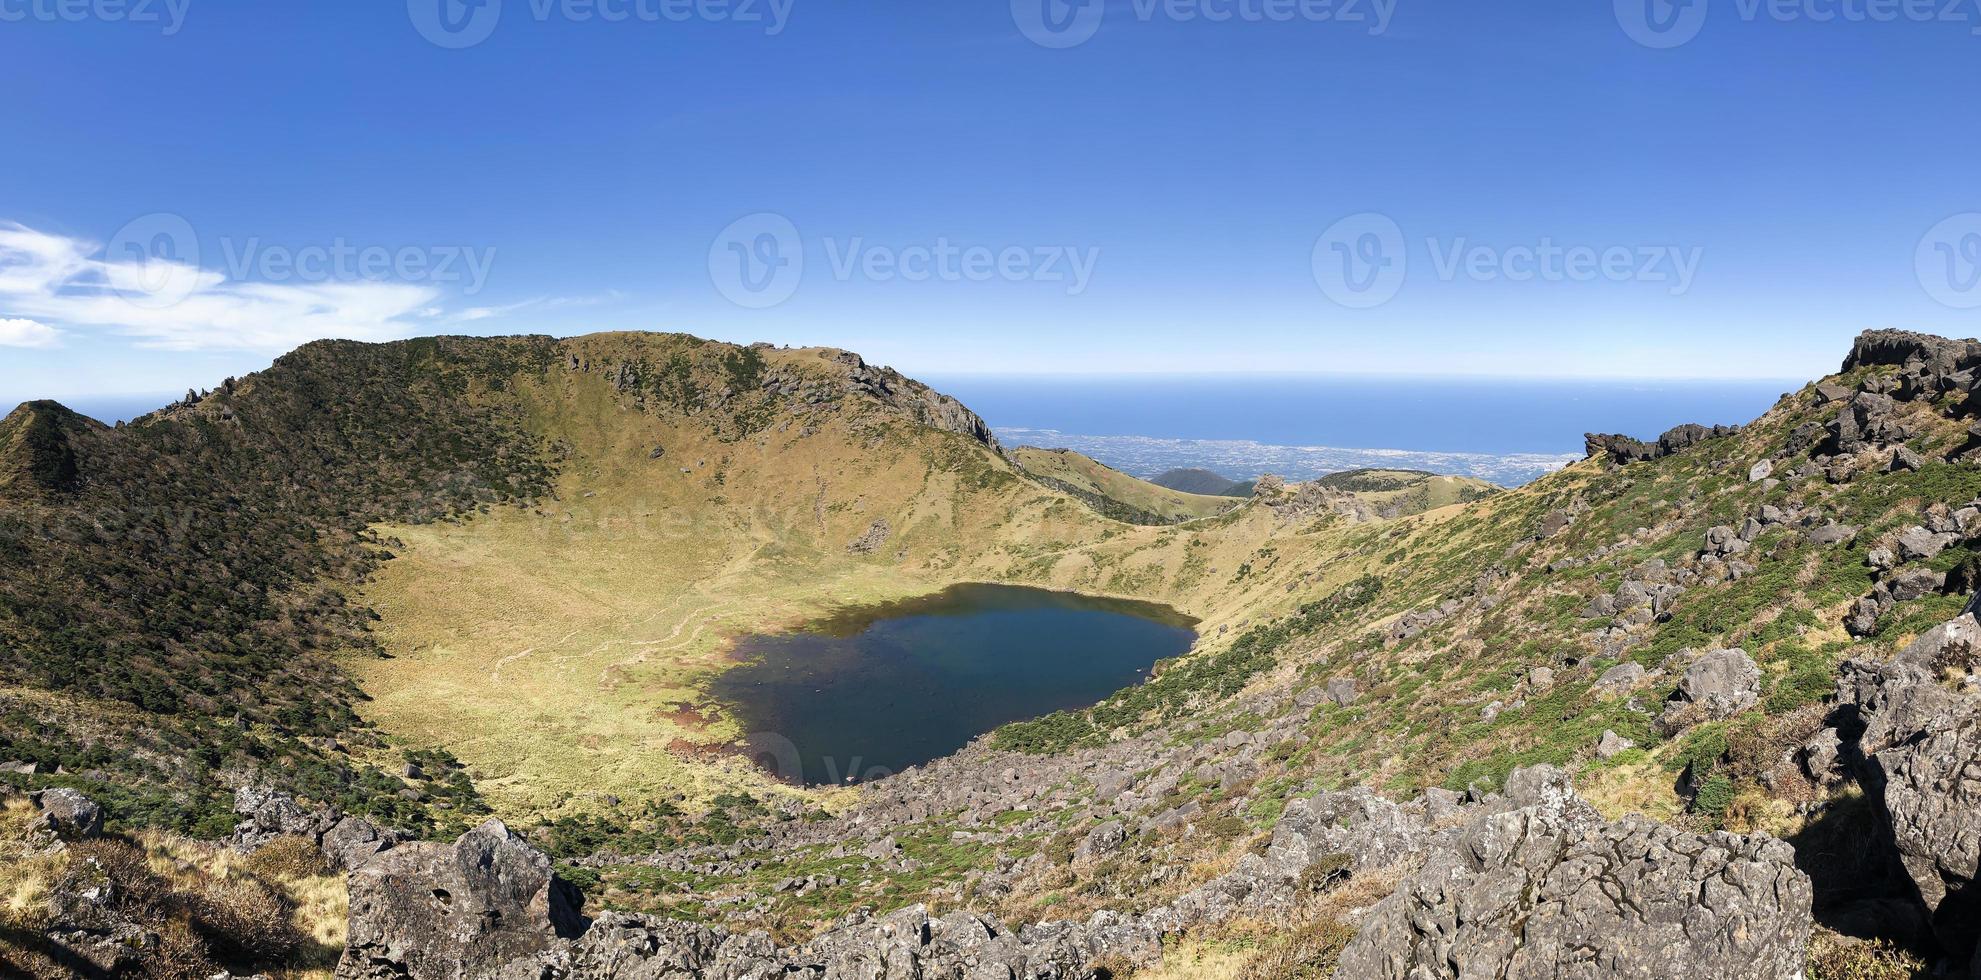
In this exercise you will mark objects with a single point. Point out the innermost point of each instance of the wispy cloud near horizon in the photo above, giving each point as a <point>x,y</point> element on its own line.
<point>60,283</point>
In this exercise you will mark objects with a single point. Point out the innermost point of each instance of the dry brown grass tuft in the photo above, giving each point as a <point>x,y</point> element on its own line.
<point>1835,957</point>
<point>212,909</point>
<point>288,859</point>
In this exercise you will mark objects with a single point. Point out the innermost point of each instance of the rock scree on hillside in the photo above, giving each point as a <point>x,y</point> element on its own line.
<point>1528,883</point>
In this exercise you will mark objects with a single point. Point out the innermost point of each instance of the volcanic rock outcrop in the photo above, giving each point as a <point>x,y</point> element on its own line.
<point>456,911</point>
<point>1916,722</point>
<point>1526,883</point>
<point>1550,890</point>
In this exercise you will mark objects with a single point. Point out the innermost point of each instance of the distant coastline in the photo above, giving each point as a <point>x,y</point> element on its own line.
<point>1244,459</point>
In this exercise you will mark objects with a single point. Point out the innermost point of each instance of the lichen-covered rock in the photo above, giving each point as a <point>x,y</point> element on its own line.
<point>1720,684</point>
<point>458,911</point>
<point>347,841</point>
<point>68,815</point>
<point>1611,745</point>
<point>354,841</point>
<point>1619,678</point>
<point>1919,544</point>
<point>1342,691</point>
<point>1101,841</point>
<point>1551,891</point>
<point>268,814</point>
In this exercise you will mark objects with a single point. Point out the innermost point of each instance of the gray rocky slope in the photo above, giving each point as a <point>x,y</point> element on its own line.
<point>1528,883</point>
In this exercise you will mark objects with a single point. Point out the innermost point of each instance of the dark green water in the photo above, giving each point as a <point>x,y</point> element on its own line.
<point>877,689</point>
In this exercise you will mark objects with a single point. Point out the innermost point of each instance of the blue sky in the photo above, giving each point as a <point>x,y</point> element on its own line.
<point>1527,188</point>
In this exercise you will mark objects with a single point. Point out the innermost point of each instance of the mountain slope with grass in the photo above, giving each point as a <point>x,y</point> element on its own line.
<point>1115,493</point>
<point>445,578</point>
<point>1666,632</point>
<point>1202,482</point>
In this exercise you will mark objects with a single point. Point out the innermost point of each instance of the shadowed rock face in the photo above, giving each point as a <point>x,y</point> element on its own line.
<point>1550,890</point>
<point>1918,752</point>
<point>455,912</point>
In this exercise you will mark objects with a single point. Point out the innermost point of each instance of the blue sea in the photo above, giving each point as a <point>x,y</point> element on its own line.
<point>1504,430</point>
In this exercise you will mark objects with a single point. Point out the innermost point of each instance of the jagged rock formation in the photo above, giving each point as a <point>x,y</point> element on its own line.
<point>1625,449</point>
<point>347,841</point>
<point>921,402</point>
<point>456,911</point>
<point>1720,684</point>
<point>1550,890</point>
<point>1913,734</point>
<point>871,539</point>
<point>1527,884</point>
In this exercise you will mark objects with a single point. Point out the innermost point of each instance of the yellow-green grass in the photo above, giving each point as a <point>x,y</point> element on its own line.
<point>563,652</point>
<point>1397,493</point>
<point>1094,477</point>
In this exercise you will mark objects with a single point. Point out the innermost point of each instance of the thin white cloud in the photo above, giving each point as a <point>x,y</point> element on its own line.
<point>16,332</point>
<point>177,306</point>
<point>474,313</point>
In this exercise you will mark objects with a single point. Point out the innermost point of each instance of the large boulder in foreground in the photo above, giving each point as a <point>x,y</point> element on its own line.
<point>1917,751</point>
<point>456,911</point>
<point>487,907</point>
<point>1551,890</point>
